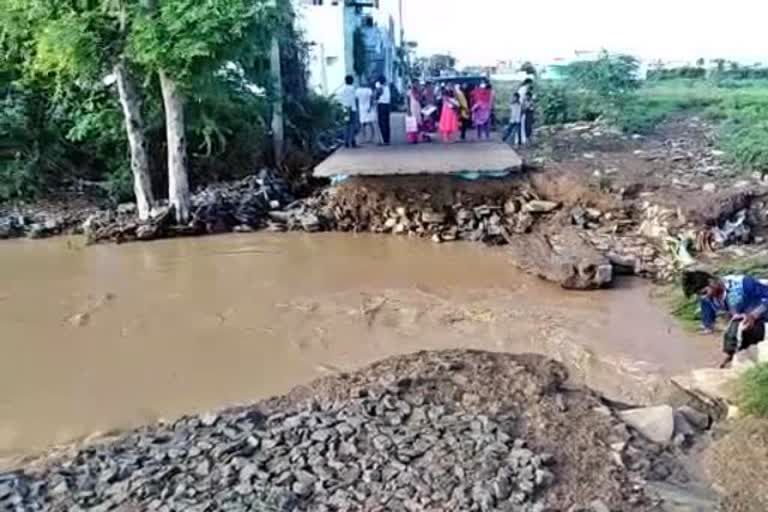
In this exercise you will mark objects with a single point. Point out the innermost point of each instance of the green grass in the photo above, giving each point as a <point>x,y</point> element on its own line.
<point>753,391</point>
<point>739,107</point>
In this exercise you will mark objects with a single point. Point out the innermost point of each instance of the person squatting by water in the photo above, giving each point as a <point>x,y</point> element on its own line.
<point>743,298</point>
<point>514,128</point>
<point>348,101</point>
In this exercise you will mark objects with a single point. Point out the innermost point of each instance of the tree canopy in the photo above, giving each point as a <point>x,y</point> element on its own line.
<point>59,115</point>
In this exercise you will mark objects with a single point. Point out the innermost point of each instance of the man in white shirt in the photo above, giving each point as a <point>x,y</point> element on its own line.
<point>383,106</point>
<point>348,102</point>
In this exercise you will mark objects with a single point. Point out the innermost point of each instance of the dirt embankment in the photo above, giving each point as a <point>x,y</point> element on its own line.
<point>594,204</point>
<point>431,431</point>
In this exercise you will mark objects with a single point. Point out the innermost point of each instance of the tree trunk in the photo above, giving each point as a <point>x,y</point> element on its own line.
<point>137,141</point>
<point>178,182</point>
<point>278,124</point>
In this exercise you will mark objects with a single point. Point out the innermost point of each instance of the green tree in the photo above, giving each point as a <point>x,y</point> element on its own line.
<point>528,68</point>
<point>80,42</point>
<point>611,76</point>
<point>182,40</point>
<point>184,43</point>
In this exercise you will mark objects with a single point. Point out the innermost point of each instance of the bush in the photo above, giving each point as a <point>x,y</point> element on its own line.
<point>746,144</point>
<point>753,391</point>
<point>553,105</point>
<point>675,73</point>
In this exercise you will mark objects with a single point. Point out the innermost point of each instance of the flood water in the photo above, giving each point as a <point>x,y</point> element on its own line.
<point>94,339</point>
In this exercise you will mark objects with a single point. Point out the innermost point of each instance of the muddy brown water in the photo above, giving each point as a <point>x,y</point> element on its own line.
<point>110,337</point>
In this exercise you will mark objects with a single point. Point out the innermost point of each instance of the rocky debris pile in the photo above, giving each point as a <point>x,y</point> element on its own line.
<point>687,148</point>
<point>218,208</point>
<point>684,197</point>
<point>432,431</point>
<point>580,139</point>
<point>511,219</point>
<point>380,452</point>
<point>226,206</point>
<point>43,221</point>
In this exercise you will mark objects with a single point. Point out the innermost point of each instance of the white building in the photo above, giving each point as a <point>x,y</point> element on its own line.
<point>329,27</point>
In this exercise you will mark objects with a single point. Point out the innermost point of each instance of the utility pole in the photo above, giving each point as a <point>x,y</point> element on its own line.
<point>278,122</point>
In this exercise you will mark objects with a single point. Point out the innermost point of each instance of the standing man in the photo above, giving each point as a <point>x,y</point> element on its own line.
<point>384,108</point>
<point>526,99</point>
<point>348,102</point>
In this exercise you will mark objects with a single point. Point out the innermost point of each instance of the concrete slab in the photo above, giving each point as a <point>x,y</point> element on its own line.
<point>413,159</point>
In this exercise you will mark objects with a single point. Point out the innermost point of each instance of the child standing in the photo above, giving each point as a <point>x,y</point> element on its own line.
<point>515,121</point>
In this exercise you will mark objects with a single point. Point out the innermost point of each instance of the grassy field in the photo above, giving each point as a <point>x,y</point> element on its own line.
<point>740,108</point>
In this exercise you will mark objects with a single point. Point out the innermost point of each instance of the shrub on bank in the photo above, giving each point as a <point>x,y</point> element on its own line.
<point>753,391</point>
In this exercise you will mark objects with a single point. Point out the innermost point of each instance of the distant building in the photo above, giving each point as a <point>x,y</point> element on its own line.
<point>329,27</point>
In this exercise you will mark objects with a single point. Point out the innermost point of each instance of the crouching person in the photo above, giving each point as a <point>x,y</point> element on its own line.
<point>743,298</point>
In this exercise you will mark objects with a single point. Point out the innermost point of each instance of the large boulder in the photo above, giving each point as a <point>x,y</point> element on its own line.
<point>656,423</point>
<point>564,257</point>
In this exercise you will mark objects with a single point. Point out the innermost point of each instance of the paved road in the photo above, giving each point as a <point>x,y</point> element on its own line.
<point>429,158</point>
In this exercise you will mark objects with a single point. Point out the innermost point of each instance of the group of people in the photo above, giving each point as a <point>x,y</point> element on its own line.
<point>451,110</point>
<point>367,109</point>
<point>448,109</point>
<point>522,111</point>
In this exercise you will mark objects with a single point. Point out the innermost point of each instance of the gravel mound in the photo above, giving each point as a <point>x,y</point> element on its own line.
<point>432,431</point>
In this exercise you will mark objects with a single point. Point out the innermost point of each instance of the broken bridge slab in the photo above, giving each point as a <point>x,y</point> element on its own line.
<point>413,159</point>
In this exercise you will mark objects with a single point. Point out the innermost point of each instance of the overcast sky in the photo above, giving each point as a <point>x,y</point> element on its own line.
<point>484,31</point>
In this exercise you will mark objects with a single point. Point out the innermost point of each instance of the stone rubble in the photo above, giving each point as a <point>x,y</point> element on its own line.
<point>684,198</point>
<point>42,222</point>
<point>382,439</point>
<point>242,205</point>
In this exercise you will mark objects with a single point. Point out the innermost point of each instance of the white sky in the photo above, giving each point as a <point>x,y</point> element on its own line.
<point>484,31</point>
